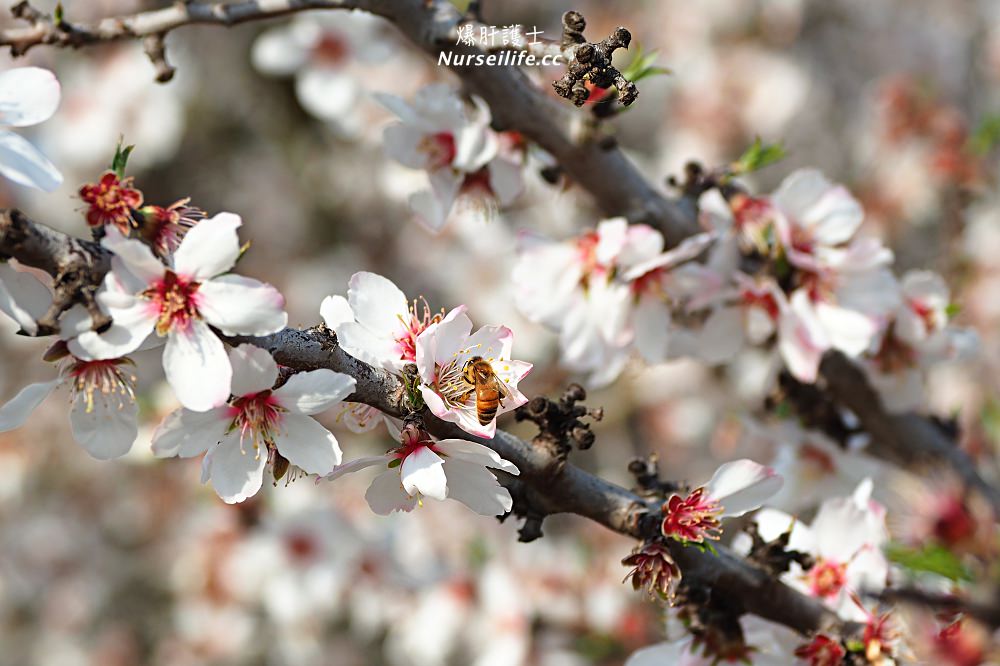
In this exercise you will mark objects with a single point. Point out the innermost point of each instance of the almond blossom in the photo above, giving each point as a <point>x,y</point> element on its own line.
<point>22,297</point>
<point>763,644</point>
<point>375,323</point>
<point>181,302</point>
<point>444,349</point>
<point>845,539</point>
<point>259,424</point>
<point>321,51</point>
<point>736,488</point>
<point>440,469</point>
<point>103,415</point>
<point>453,143</point>
<point>28,96</point>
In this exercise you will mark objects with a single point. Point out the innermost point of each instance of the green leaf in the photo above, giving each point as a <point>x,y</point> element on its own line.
<point>643,66</point>
<point>58,15</point>
<point>395,462</point>
<point>758,156</point>
<point>121,158</point>
<point>986,136</point>
<point>931,558</point>
<point>952,309</point>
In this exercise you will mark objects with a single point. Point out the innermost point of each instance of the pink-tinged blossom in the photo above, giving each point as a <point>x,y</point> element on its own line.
<point>452,141</point>
<point>375,323</point>
<point>444,349</point>
<point>845,540</point>
<point>103,413</point>
<point>28,96</point>
<point>327,55</point>
<point>736,488</point>
<point>443,469</point>
<point>181,302</point>
<point>606,292</point>
<point>257,424</point>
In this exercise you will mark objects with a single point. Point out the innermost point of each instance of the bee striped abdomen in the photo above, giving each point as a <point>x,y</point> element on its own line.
<point>487,403</point>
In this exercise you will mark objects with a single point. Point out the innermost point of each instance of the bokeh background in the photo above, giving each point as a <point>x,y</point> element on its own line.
<point>135,562</point>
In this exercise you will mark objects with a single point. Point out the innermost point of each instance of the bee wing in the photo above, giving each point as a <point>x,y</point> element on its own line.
<point>501,388</point>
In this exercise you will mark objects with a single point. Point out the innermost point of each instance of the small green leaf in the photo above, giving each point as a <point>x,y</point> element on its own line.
<point>758,156</point>
<point>952,309</point>
<point>986,136</point>
<point>643,66</point>
<point>931,558</point>
<point>396,462</point>
<point>58,15</point>
<point>121,158</point>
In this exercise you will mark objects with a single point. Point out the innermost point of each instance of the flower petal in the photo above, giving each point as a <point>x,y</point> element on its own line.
<point>335,310</point>
<point>366,346</point>
<point>105,427</point>
<point>304,442</point>
<point>472,452</point>
<point>135,257</point>
<point>197,367</point>
<point>378,304</point>
<point>238,305</point>
<point>209,248</point>
<point>19,408</point>
<point>477,488</point>
<point>28,96</point>
<point>23,297</point>
<point>236,473</point>
<point>22,163</point>
<point>185,433</point>
<point>386,494</point>
<point>422,472</point>
<point>278,52</point>
<point>254,370</point>
<point>315,391</point>
<point>132,323</point>
<point>742,486</point>
<point>358,464</point>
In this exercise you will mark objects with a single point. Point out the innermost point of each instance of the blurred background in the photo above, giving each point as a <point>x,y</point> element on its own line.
<point>135,562</point>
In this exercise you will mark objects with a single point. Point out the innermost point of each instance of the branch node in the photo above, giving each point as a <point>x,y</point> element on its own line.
<point>155,47</point>
<point>591,62</point>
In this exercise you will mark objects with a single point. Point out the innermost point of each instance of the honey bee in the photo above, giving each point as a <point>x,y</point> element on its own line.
<point>489,389</point>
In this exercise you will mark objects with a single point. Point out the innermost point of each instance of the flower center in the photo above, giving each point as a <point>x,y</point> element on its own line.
<point>111,201</point>
<point>954,523</point>
<point>926,314</point>
<point>331,49</point>
<point>439,148</point>
<point>693,518</point>
<point>256,416</point>
<point>827,578</point>
<point>452,385</point>
<point>175,299</point>
<point>104,378</point>
<point>419,320</point>
<point>763,300</point>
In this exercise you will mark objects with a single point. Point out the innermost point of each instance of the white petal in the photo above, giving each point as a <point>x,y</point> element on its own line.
<point>364,345</point>
<point>849,331</point>
<point>471,452</point>
<point>106,428</point>
<point>742,486</point>
<point>197,367</point>
<point>358,464</point>
<point>386,494</point>
<point>304,442</point>
<point>661,654</point>
<point>135,257</point>
<point>210,248</point>
<point>236,473</point>
<point>802,340</point>
<point>477,488</point>
<point>22,163</point>
<point>335,310</point>
<point>421,472</point>
<point>132,324</point>
<point>185,433</point>
<point>721,337</point>
<point>254,370</point>
<point>278,52</point>
<point>28,96</point>
<point>505,180</point>
<point>327,94</point>
<point>404,144</point>
<point>315,391</point>
<point>433,207</point>
<point>439,342</point>
<point>238,305</point>
<point>651,319</point>
<point>16,412</point>
<point>377,303</point>
<point>23,297</point>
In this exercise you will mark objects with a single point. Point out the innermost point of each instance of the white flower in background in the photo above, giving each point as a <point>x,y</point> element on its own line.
<point>736,488</point>
<point>765,644</point>
<point>326,52</point>
<point>103,415</point>
<point>359,417</point>
<point>448,468</point>
<point>443,351</point>
<point>22,297</point>
<point>181,303</point>
<point>239,438</point>
<point>605,292</point>
<point>28,96</point>
<point>375,323</point>
<point>846,540</point>
<point>439,133</point>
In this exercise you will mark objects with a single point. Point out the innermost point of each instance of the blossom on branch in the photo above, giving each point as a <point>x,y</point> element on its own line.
<point>422,467</point>
<point>259,424</point>
<point>181,302</point>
